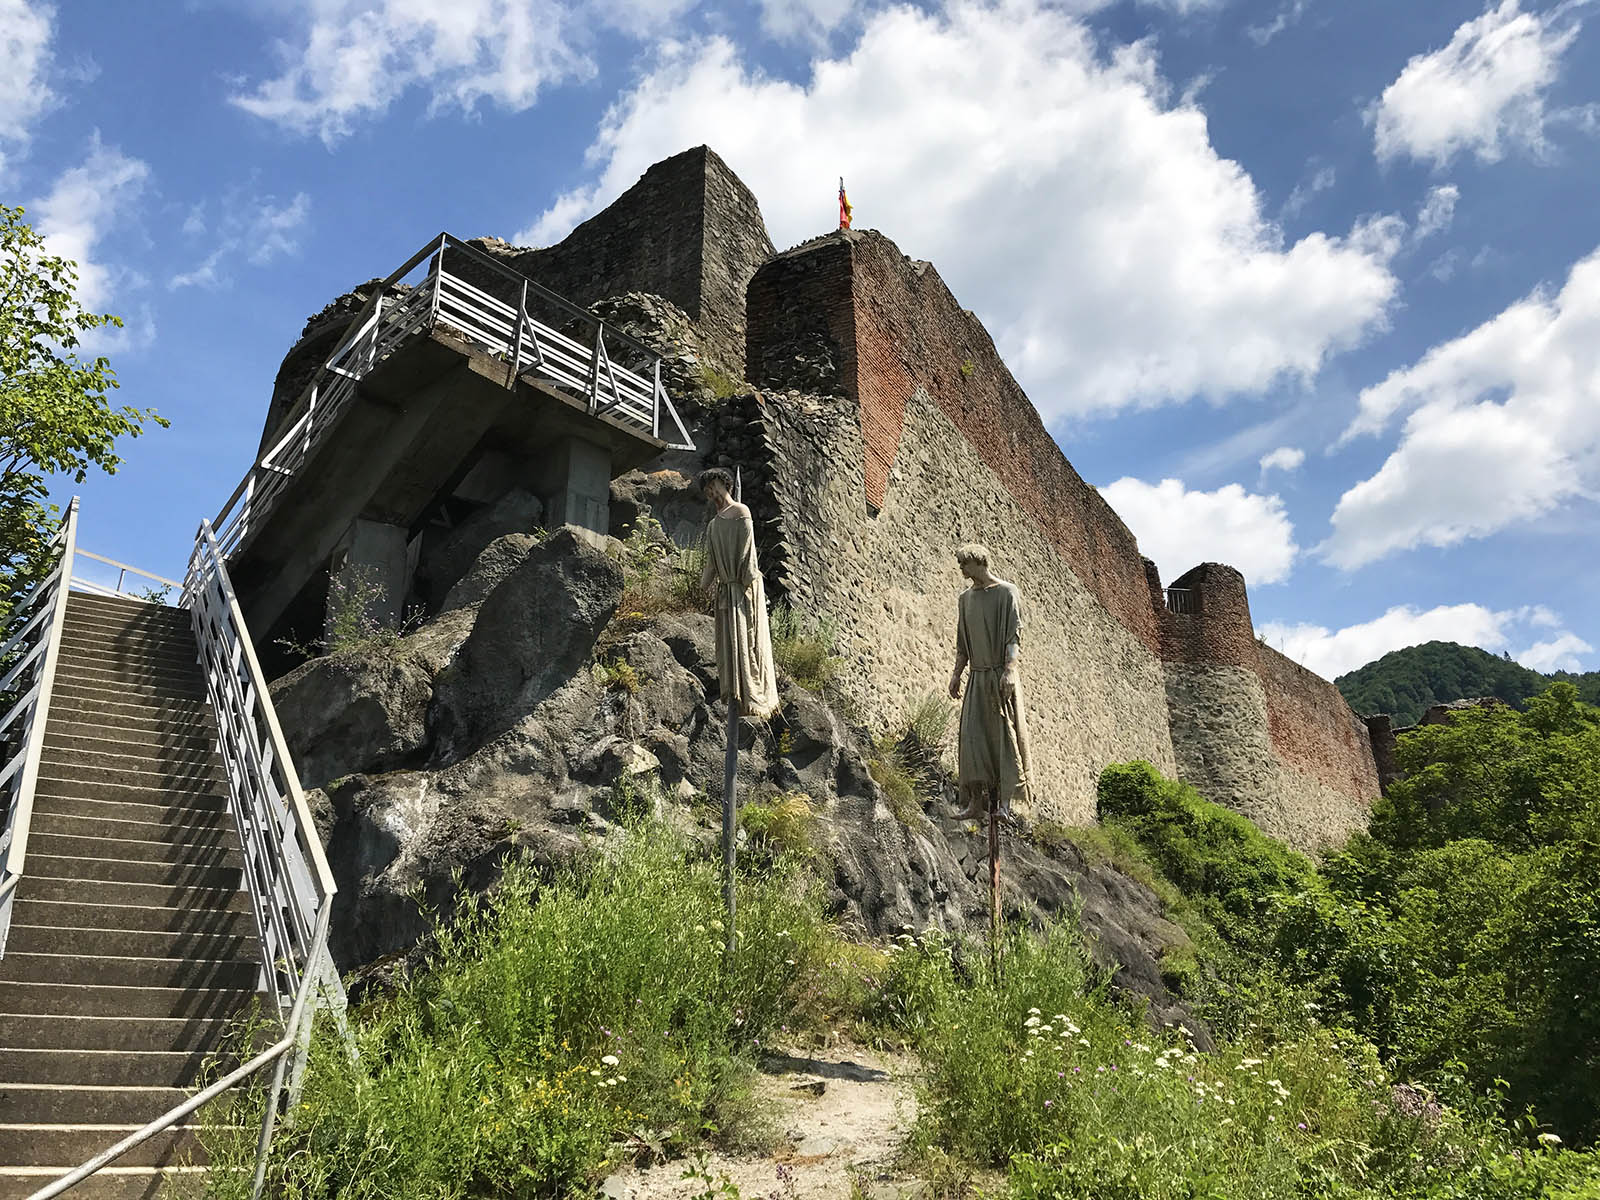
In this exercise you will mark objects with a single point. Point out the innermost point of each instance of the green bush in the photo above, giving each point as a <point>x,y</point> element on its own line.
<point>783,825</point>
<point>555,1028</point>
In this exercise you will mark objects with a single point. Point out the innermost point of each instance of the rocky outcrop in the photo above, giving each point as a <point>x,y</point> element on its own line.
<point>525,720</point>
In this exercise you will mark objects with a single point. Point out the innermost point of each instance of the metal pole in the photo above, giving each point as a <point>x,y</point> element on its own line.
<point>730,781</point>
<point>994,884</point>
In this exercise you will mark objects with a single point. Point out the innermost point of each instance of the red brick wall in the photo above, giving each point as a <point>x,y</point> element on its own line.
<point>1314,729</point>
<point>1219,631</point>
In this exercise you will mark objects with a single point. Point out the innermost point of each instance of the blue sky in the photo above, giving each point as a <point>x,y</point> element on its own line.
<point>1307,286</point>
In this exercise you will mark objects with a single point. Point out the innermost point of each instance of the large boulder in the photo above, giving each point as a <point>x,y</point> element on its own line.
<point>518,511</point>
<point>364,709</point>
<point>668,496</point>
<point>531,634</point>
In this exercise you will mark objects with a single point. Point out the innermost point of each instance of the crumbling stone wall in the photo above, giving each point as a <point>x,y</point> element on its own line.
<point>887,576</point>
<point>1254,730</point>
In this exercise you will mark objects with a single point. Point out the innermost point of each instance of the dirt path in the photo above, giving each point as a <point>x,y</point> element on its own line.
<point>841,1116</point>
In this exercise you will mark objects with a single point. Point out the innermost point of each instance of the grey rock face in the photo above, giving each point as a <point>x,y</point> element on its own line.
<point>669,496</point>
<point>510,741</point>
<point>517,512</point>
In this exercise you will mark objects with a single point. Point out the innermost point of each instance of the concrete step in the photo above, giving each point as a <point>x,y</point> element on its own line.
<point>178,874</point>
<point>131,794</point>
<point>73,912</point>
<point>120,1034</point>
<point>94,665</point>
<point>70,714</point>
<point>130,943</point>
<point>162,650</point>
<point>113,1183</point>
<point>128,701</point>
<point>179,808</point>
<point>62,1104</point>
<point>118,1000</point>
<point>64,737</point>
<point>137,895</point>
<point>132,691</point>
<point>155,849</point>
<point>214,829</point>
<point>133,771</point>
<point>65,1146</point>
<point>88,606</point>
<point>112,1068</point>
<point>65,965</point>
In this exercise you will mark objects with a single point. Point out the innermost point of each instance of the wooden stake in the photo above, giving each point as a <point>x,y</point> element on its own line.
<point>730,783</point>
<point>994,884</point>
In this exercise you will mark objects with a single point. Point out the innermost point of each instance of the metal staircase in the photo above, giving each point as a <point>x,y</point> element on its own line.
<point>158,873</point>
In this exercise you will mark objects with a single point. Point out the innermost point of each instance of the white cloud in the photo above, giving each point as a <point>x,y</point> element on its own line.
<point>259,228</point>
<point>1086,217</point>
<point>811,20</point>
<point>1288,15</point>
<point>352,59</point>
<point>1178,528</point>
<point>1504,425</point>
<point>1321,181</point>
<point>1479,94</point>
<point>1558,654</point>
<point>1438,211</point>
<point>85,203</point>
<point>1284,458</point>
<point>26,30</point>
<point>1331,653</point>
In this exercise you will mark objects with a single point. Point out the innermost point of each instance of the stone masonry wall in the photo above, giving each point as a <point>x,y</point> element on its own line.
<point>1094,693</point>
<point>897,328</point>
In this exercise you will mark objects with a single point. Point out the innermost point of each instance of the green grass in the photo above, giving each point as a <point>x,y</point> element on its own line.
<point>804,646</point>
<point>558,1028</point>
<point>1038,1073</point>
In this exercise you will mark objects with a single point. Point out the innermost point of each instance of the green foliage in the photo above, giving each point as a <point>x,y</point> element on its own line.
<point>1217,858</point>
<point>783,825</point>
<point>617,675</point>
<point>1461,934</point>
<point>804,646</point>
<point>1406,683</point>
<point>558,1027</point>
<point>355,596</point>
<point>1036,1072</point>
<point>722,385</point>
<point>54,415</point>
<point>890,772</point>
<point>657,577</point>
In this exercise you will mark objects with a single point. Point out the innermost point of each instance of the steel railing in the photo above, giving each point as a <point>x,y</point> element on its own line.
<point>35,645</point>
<point>81,583</point>
<point>533,330</point>
<point>286,873</point>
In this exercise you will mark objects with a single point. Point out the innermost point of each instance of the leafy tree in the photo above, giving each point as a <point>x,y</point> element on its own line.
<point>55,418</point>
<point>1406,683</point>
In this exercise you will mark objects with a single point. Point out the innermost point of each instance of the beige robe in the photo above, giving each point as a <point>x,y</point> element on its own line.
<point>992,749</point>
<point>744,641</point>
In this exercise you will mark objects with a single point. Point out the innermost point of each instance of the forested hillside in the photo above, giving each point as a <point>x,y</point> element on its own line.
<point>1405,683</point>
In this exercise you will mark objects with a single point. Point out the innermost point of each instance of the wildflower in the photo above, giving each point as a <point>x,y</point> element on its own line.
<point>610,1060</point>
<point>699,928</point>
<point>1301,1125</point>
<point>1033,1012</point>
<point>1549,1139</point>
<point>1031,1023</point>
<point>1048,1103</point>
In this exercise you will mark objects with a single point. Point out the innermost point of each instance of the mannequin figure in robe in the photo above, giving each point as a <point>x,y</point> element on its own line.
<point>744,641</point>
<point>993,743</point>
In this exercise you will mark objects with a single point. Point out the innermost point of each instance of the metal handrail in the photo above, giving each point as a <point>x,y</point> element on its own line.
<point>38,642</point>
<point>123,570</point>
<point>396,311</point>
<point>286,871</point>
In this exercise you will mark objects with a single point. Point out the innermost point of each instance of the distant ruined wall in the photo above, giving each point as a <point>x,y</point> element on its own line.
<point>1253,730</point>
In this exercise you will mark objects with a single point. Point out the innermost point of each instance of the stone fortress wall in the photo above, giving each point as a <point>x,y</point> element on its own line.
<point>927,441</point>
<point>884,431</point>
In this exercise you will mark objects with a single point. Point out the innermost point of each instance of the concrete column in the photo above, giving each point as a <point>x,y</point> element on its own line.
<point>577,488</point>
<point>368,578</point>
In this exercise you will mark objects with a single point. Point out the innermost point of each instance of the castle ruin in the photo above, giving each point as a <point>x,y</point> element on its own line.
<point>876,429</point>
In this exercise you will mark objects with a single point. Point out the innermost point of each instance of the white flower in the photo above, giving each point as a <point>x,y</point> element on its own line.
<point>1033,1012</point>
<point>1550,1139</point>
<point>610,1060</point>
<point>1031,1022</point>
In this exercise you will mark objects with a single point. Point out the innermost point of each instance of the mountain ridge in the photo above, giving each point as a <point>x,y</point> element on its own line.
<point>1406,683</point>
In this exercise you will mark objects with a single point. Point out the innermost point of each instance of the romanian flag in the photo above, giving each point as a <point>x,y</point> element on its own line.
<point>844,206</point>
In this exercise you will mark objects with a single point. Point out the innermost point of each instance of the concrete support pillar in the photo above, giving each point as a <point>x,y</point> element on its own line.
<point>368,578</point>
<point>578,488</point>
